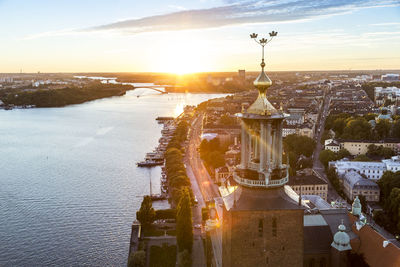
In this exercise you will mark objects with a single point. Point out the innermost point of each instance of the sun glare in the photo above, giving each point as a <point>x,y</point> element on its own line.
<point>182,58</point>
<point>179,109</point>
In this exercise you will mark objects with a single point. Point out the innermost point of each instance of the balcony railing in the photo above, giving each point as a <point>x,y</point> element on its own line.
<point>260,183</point>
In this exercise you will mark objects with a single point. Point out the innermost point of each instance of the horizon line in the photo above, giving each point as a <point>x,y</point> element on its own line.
<point>200,72</point>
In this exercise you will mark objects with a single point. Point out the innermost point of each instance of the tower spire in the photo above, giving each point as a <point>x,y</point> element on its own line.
<point>263,82</point>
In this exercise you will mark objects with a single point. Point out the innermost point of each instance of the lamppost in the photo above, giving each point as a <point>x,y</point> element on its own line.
<point>263,42</point>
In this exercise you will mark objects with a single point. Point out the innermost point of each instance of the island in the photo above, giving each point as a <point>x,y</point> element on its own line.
<point>44,96</point>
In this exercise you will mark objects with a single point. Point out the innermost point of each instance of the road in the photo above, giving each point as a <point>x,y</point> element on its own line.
<point>317,165</point>
<point>203,186</point>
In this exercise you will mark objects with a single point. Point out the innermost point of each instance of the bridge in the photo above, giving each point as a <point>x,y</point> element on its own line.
<point>155,87</point>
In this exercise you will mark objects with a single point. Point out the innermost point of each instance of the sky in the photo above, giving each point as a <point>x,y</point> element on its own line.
<point>197,36</point>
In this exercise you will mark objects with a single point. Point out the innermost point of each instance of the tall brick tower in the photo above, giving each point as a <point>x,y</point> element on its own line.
<point>262,224</point>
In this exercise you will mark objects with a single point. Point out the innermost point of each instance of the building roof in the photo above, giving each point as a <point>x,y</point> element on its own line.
<point>316,201</point>
<point>305,180</point>
<point>357,165</point>
<point>335,217</point>
<point>387,140</point>
<point>332,144</point>
<point>252,199</point>
<point>370,243</point>
<point>354,179</point>
<point>314,220</point>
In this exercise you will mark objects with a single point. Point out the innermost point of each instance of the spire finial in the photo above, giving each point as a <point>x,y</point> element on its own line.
<point>263,82</point>
<point>263,42</point>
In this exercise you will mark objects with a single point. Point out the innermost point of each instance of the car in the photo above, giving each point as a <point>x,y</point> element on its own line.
<point>197,226</point>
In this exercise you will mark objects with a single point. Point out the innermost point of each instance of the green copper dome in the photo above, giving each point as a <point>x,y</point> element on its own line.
<point>341,240</point>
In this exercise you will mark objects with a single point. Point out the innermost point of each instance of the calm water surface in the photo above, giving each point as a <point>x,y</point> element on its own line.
<point>69,186</point>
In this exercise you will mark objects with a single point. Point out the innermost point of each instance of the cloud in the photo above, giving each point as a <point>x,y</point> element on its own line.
<point>235,12</point>
<point>386,24</point>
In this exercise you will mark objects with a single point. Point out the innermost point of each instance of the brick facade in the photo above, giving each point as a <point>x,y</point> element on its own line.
<point>262,238</point>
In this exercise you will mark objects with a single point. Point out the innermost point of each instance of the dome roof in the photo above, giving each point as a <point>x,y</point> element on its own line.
<point>341,240</point>
<point>356,207</point>
<point>262,82</point>
<point>262,106</point>
<point>356,203</point>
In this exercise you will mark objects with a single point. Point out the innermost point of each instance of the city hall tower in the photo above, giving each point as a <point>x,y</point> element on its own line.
<point>262,224</point>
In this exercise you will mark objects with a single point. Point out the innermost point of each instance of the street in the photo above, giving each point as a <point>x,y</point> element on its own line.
<point>203,188</point>
<point>317,165</point>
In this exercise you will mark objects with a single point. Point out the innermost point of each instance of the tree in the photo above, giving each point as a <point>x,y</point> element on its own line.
<point>388,181</point>
<point>343,153</point>
<point>299,144</point>
<point>363,203</point>
<point>216,159</point>
<point>380,151</point>
<point>370,116</point>
<point>327,155</point>
<point>137,259</point>
<point>179,181</point>
<point>325,135</point>
<point>184,259</point>
<point>338,125</point>
<point>146,213</point>
<point>387,152</point>
<point>392,205</point>
<point>184,227</point>
<point>396,129</point>
<point>357,128</point>
<point>333,178</point>
<point>382,129</point>
<point>362,158</point>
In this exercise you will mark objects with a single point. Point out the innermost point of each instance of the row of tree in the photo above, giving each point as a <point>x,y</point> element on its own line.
<point>327,155</point>
<point>295,146</point>
<point>181,193</point>
<point>347,126</point>
<point>212,153</point>
<point>389,218</point>
<point>184,234</point>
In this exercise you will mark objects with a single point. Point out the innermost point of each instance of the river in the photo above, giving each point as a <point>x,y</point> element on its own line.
<point>69,185</point>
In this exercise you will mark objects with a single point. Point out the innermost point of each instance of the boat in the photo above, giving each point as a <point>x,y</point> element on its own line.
<point>158,197</point>
<point>149,163</point>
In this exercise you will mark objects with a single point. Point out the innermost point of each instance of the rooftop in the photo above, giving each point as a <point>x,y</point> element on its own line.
<point>354,179</point>
<point>305,180</point>
<point>253,199</point>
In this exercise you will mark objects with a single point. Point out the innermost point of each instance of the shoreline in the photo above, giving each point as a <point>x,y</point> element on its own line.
<point>121,93</point>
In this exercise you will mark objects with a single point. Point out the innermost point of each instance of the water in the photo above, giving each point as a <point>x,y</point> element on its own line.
<point>69,186</point>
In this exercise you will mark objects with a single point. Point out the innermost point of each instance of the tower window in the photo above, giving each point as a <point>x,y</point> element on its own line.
<point>274,226</point>
<point>260,228</point>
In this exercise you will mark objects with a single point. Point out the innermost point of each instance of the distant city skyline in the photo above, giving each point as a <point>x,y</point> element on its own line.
<point>197,36</point>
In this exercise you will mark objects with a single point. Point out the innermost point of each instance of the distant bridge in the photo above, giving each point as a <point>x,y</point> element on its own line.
<point>155,88</point>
